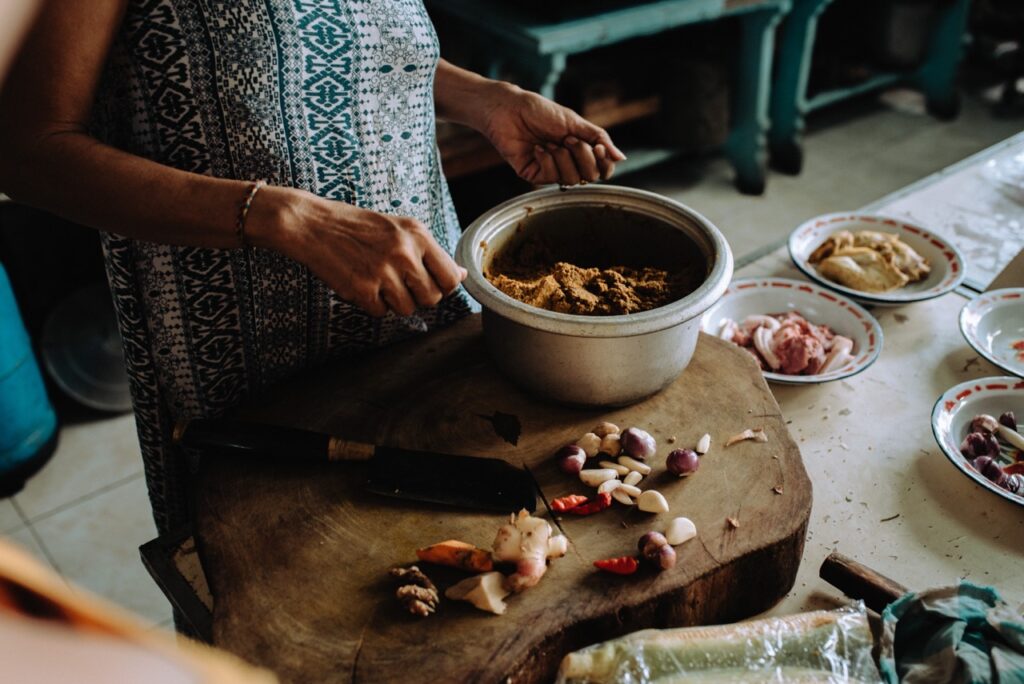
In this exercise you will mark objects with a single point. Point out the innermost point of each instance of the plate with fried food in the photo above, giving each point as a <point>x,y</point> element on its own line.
<point>799,333</point>
<point>876,259</point>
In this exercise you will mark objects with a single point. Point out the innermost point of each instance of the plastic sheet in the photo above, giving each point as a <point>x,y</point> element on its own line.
<point>822,646</point>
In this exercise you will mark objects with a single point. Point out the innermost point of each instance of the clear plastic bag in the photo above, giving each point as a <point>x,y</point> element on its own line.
<point>821,646</point>
<point>1007,174</point>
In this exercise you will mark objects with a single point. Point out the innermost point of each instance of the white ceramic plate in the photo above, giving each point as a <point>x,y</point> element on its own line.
<point>957,407</point>
<point>945,259</point>
<point>992,323</point>
<point>752,296</point>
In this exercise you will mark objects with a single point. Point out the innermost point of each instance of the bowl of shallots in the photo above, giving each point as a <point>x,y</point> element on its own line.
<point>798,332</point>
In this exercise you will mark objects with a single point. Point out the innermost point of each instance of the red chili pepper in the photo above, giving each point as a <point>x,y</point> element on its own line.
<point>564,503</point>
<point>598,503</point>
<point>623,565</point>
<point>1014,468</point>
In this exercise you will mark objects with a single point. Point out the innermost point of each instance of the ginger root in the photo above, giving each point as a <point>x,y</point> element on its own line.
<point>417,593</point>
<point>486,592</point>
<point>527,542</point>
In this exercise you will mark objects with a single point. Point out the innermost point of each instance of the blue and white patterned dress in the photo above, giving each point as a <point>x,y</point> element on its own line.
<point>332,96</point>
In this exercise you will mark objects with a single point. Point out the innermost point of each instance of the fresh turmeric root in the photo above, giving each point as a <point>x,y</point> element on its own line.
<point>457,554</point>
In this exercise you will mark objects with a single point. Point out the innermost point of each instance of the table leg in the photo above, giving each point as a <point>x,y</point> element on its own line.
<point>937,77</point>
<point>747,139</point>
<point>789,91</point>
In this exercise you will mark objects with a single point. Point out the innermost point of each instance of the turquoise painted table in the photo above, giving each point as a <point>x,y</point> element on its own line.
<point>935,77</point>
<point>536,46</point>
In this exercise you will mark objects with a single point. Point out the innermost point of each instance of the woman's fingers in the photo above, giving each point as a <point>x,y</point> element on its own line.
<point>567,173</point>
<point>442,268</point>
<point>606,165</point>
<point>548,172</point>
<point>396,295</point>
<point>424,290</point>
<point>583,157</point>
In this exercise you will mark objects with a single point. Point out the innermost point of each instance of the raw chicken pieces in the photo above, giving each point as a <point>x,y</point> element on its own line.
<point>788,343</point>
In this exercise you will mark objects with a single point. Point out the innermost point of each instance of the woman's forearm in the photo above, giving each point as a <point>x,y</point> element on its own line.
<point>466,98</point>
<point>75,176</point>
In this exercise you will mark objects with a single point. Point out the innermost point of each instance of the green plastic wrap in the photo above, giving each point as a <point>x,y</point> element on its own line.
<point>822,646</point>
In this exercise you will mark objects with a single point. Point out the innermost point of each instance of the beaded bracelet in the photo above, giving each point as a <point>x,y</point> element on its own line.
<point>243,214</point>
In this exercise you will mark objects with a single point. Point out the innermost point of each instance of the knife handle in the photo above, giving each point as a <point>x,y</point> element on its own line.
<point>268,441</point>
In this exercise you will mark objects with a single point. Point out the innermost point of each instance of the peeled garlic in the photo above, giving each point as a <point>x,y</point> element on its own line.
<point>620,469</point>
<point>703,444</point>
<point>680,530</point>
<point>633,478</point>
<point>608,486</point>
<point>594,478</point>
<point>629,489</point>
<point>622,497</point>
<point>635,465</point>
<point>652,501</point>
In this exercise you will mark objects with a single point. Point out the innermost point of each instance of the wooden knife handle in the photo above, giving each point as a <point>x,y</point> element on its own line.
<point>858,581</point>
<point>223,435</point>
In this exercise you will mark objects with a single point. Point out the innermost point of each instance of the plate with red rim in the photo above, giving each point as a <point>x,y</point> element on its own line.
<point>947,264</point>
<point>957,407</point>
<point>993,324</point>
<point>753,296</point>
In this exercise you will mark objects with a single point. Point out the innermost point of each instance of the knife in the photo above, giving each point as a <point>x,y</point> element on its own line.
<point>463,481</point>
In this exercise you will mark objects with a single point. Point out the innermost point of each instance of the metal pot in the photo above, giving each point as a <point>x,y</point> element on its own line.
<point>595,360</point>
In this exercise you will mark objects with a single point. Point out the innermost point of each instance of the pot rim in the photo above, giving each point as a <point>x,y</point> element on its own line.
<point>469,255</point>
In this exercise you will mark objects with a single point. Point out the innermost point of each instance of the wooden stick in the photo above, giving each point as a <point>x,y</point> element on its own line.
<point>858,581</point>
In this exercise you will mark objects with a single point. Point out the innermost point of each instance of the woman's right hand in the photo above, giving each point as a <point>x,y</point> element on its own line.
<point>376,261</point>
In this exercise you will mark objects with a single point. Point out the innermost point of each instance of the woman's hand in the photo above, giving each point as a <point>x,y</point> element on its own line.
<point>376,261</point>
<point>545,142</point>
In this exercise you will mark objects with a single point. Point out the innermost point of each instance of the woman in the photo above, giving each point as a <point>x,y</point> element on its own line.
<point>156,121</point>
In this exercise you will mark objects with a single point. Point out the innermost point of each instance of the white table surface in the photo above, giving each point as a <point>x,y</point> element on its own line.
<point>868,447</point>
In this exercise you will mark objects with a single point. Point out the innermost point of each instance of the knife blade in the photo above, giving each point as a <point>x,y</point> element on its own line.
<point>462,481</point>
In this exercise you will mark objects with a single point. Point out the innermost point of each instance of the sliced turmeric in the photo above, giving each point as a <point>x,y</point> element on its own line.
<point>457,554</point>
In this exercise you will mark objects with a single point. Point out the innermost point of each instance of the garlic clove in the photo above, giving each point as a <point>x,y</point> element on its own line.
<point>558,546</point>
<point>635,465</point>
<point>703,444</point>
<point>590,443</point>
<point>652,501</point>
<point>620,469</point>
<point>608,486</point>
<point>629,489</point>
<point>680,530</point>
<point>622,497</point>
<point>611,445</point>
<point>485,591</point>
<point>633,478</point>
<point>606,428</point>
<point>594,478</point>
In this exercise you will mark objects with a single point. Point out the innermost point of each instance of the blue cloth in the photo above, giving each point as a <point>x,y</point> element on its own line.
<point>963,633</point>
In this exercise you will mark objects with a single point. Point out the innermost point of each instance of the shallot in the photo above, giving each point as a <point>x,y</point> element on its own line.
<point>682,462</point>
<point>638,443</point>
<point>570,459</point>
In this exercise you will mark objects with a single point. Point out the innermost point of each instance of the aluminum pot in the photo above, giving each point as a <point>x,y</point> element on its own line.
<point>595,360</point>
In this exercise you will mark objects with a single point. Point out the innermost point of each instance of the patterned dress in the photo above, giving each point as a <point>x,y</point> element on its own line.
<point>332,96</point>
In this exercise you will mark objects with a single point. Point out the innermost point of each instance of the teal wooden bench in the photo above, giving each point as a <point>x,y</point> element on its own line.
<point>536,47</point>
<point>791,103</point>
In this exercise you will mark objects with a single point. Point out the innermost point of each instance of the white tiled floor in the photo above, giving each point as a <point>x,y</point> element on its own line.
<point>86,513</point>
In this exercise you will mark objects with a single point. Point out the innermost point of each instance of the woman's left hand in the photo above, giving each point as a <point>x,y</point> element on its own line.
<point>545,142</point>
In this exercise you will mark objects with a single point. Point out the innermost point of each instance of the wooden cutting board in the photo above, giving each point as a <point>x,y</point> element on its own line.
<point>297,556</point>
